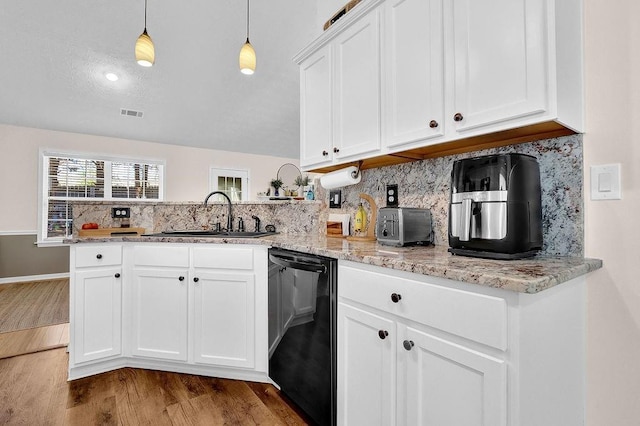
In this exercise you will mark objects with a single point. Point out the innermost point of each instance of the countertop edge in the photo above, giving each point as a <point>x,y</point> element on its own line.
<point>528,276</point>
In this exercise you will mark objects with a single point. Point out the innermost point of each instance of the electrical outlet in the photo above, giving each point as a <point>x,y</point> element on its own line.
<point>391,195</point>
<point>120,212</point>
<point>335,199</point>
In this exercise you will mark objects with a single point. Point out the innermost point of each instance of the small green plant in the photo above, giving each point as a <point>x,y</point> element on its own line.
<point>276,183</point>
<point>302,180</point>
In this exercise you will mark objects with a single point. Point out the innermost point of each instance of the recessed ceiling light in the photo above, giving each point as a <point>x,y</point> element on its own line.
<point>111,76</point>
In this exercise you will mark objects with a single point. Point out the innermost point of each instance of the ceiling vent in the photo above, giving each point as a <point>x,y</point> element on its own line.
<point>130,113</point>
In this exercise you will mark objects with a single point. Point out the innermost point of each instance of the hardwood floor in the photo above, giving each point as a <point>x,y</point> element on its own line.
<point>34,391</point>
<point>33,340</point>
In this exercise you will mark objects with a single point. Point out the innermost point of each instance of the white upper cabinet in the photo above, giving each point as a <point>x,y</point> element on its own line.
<point>413,71</point>
<point>411,74</point>
<point>357,88</point>
<point>316,136</point>
<point>500,62</point>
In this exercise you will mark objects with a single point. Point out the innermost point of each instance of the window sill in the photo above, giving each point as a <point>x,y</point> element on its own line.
<point>51,243</point>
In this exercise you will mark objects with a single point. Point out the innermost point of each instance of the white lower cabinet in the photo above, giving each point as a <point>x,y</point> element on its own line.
<point>95,303</point>
<point>159,313</point>
<point>443,383</point>
<point>420,350</point>
<point>390,373</point>
<point>224,318</point>
<point>366,367</point>
<point>193,308</point>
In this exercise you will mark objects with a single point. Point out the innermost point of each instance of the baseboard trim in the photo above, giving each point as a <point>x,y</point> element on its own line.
<point>25,278</point>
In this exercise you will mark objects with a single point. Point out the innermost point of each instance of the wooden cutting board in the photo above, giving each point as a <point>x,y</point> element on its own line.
<point>110,232</point>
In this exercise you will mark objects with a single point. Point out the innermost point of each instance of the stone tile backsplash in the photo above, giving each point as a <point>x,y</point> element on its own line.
<point>423,184</point>
<point>426,184</point>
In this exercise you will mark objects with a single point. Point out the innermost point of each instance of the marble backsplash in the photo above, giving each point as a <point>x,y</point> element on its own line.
<point>423,184</point>
<point>289,217</point>
<point>426,184</point>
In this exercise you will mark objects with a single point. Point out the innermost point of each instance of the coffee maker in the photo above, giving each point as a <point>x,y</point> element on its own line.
<point>495,209</point>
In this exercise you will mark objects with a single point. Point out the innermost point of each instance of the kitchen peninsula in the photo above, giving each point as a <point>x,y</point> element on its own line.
<point>509,332</point>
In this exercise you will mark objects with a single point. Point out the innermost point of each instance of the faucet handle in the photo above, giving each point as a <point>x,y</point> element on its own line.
<point>257,223</point>
<point>240,225</point>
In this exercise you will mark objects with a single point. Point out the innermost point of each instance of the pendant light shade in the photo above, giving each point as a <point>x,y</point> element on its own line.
<point>145,51</point>
<point>247,59</point>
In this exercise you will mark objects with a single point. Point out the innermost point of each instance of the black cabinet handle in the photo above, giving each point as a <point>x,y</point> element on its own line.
<point>383,334</point>
<point>457,117</point>
<point>408,344</point>
<point>181,278</point>
<point>117,275</point>
<point>395,297</point>
<point>196,279</point>
<point>433,124</point>
<point>98,256</point>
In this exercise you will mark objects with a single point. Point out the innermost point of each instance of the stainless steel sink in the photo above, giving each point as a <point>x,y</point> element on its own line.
<point>210,234</point>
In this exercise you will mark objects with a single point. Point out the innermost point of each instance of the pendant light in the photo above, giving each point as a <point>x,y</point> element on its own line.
<point>247,57</point>
<point>145,52</point>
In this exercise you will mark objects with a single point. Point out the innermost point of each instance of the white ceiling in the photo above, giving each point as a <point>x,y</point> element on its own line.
<point>54,54</point>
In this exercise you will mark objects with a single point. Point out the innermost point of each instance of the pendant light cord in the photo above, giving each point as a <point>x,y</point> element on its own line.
<point>247,20</point>
<point>145,15</point>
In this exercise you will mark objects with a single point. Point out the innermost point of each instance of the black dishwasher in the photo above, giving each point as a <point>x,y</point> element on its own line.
<point>302,331</point>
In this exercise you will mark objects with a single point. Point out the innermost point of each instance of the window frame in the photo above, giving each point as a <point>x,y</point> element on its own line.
<point>243,174</point>
<point>43,185</point>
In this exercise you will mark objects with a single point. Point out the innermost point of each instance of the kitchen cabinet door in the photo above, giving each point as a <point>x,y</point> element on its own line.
<point>97,313</point>
<point>357,88</point>
<point>366,368</point>
<point>224,318</point>
<point>443,383</point>
<point>500,63</point>
<point>159,313</point>
<point>413,71</point>
<point>316,136</point>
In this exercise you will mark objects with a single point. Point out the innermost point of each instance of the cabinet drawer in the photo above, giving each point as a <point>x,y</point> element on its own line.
<point>161,256</point>
<point>223,257</point>
<point>474,316</point>
<point>98,255</point>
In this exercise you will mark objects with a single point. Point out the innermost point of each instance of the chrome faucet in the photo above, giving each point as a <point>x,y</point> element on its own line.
<point>229,217</point>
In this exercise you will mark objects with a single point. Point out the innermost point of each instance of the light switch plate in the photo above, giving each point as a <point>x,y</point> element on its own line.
<point>335,199</point>
<point>605,182</point>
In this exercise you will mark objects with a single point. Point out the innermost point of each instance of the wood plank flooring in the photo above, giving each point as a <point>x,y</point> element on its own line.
<point>33,340</point>
<point>34,391</point>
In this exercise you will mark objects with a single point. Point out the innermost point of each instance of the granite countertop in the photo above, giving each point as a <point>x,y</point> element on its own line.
<point>525,276</point>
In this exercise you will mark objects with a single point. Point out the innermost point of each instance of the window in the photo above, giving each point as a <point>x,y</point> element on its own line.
<point>68,177</point>
<point>233,182</point>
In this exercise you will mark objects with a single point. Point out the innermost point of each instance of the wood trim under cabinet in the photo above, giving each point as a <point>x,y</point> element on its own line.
<point>547,130</point>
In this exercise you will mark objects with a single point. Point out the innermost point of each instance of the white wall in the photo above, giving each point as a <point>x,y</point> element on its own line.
<point>187,169</point>
<point>612,45</point>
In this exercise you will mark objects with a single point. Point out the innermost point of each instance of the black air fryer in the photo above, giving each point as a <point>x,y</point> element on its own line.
<point>495,210</point>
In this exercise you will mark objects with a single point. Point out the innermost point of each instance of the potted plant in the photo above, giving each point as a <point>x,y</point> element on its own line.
<point>276,184</point>
<point>301,181</point>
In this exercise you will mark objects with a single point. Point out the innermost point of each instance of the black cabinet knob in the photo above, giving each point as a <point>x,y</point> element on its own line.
<point>395,297</point>
<point>181,278</point>
<point>325,153</point>
<point>383,334</point>
<point>98,256</point>
<point>196,279</point>
<point>408,344</point>
<point>457,117</point>
<point>117,275</point>
<point>433,124</point>
<point>336,150</point>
